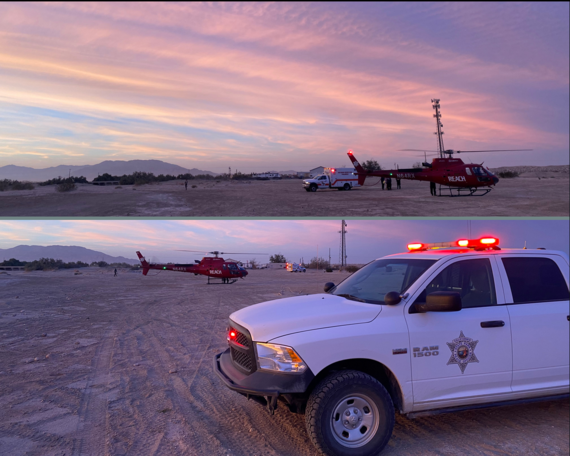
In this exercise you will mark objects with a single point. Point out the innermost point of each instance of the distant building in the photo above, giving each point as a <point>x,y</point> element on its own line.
<point>302,174</point>
<point>266,176</point>
<point>316,171</point>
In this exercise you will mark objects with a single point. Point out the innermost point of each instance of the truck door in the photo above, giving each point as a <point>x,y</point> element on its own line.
<point>536,292</point>
<point>465,356</point>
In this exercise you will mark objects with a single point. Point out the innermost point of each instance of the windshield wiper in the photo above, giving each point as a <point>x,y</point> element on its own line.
<point>352,298</point>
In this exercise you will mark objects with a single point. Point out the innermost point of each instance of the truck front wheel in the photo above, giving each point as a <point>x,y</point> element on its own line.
<point>313,188</point>
<point>350,413</point>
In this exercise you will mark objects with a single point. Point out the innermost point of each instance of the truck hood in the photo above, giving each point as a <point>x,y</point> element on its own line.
<point>271,319</point>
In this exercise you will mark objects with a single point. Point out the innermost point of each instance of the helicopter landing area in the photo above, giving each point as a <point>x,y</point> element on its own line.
<point>540,193</point>
<point>96,364</point>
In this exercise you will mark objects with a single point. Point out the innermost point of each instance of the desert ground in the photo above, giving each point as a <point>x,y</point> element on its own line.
<point>538,192</point>
<point>92,364</point>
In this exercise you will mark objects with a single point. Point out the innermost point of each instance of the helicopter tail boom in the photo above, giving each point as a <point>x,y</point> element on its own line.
<point>361,171</point>
<point>144,263</point>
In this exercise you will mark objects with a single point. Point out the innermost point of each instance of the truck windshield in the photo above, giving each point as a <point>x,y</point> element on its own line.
<point>371,283</point>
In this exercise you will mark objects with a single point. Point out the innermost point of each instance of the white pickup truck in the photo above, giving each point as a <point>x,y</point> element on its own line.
<point>339,178</point>
<point>425,331</point>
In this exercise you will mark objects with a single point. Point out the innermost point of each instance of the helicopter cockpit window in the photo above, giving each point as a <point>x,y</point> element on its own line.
<point>468,171</point>
<point>480,173</point>
<point>232,266</point>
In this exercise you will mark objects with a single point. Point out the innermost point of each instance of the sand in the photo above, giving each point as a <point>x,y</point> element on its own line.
<point>95,364</point>
<point>538,192</point>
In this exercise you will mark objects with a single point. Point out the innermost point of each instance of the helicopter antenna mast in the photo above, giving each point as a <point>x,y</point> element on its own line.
<point>439,131</point>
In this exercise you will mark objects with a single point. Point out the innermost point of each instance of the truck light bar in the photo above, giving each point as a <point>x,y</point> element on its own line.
<point>477,244</point>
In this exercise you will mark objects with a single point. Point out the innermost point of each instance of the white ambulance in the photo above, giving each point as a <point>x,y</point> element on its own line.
<point>339,178</point>
<point>295,267</point>
<point>421,332</point>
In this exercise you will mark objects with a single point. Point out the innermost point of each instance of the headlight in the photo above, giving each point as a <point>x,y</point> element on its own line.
<point>279,358</point>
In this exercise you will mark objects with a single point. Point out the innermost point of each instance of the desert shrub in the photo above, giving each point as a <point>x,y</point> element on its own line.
<point>194,186</point>
<point>13,262</point>
<point>50,263</point>
<point>66,186</point>
<point>351,268</point>
<point>320,262</point>
<point>8,184</point>
<point>22,186</point>
<point>61,180</point>
<point>100,264</point>
<point>508,174</point>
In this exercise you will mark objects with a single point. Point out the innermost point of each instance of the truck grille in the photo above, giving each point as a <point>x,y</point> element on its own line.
<point>241,348</point>
<point>242,339</point>
<point>242,359</point>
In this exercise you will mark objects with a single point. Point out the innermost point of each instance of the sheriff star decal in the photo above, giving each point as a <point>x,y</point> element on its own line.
<point>462,351</point>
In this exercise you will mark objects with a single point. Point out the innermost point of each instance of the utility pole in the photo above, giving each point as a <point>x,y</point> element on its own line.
<point>317,257</point>
<point>329,257</point>
<point>342,253</point>
<point>230,172</point>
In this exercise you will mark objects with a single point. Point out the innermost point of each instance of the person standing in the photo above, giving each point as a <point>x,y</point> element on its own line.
<point>115,273</point>
<point>186,184</point>
<point>389,183</point>
<point>398,186</point>
<point>382,181</point>
<point>432,188</point>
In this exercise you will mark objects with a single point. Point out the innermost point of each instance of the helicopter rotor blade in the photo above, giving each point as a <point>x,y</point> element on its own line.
<point>496,150</point>
<point>417,150</point>
<point>242,253</point>
<point>196,251</point>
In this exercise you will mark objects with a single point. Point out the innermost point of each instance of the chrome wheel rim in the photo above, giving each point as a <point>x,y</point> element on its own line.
<point>354,420</point>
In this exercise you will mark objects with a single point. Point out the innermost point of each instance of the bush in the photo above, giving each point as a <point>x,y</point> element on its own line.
<point>8,184</point>
<point>60,180</point>
<point>508,174</point>
<point>22,186</point>
<point>66,187</point>
<point>50,263</point>
<point>351,268</point>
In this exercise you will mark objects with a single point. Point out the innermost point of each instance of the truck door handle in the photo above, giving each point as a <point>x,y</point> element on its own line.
<point>492,324</point>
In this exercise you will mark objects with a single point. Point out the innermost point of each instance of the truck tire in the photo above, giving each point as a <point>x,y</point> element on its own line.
<point>346,186</point>
<point>313,188</point>
<point>350,413</point>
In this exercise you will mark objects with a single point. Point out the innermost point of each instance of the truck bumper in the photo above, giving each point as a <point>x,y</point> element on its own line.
<point>261,386</point>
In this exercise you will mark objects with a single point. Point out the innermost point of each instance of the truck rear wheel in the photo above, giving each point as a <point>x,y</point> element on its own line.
<point>346,186</point>
<point>350,413</point>
<point>313,188</point>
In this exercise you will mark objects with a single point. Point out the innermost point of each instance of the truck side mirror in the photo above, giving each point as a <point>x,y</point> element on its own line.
<point>392,298</point>
<point>328,286</point>
<point>441,301</point>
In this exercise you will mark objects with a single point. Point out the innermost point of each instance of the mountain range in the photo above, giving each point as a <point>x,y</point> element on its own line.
<point>113,167</point>
<point>60,252</point>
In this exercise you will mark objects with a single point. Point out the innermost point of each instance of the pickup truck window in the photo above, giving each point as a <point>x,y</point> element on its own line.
<point>373,281</point>
<point>472,279</point>
<point>535,280</point>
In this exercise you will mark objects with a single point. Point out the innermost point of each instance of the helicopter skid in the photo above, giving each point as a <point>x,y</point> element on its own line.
<point>458,191</point>
<point>229,282</point>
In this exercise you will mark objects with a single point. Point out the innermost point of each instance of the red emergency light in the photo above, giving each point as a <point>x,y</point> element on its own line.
<point>232,334</point>
<point>350,152</point>
<point>477,244</point>
<point>333,170</point>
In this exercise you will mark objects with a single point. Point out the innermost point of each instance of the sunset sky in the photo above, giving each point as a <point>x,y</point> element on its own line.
<point>366,239</point>
<point>261,86</point>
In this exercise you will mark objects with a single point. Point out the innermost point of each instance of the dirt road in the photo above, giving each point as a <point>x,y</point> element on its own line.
<point>526,196</point>
<point>93,364</point>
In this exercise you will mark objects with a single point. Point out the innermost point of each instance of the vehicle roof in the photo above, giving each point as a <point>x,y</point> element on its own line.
<point>443,253</point>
